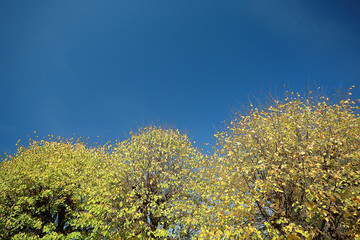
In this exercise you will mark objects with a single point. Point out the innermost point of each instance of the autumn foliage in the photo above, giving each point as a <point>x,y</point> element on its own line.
<point>44,191</point>
<point>290,170</point>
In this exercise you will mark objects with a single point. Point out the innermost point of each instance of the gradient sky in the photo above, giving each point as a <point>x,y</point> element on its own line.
<point>103,68</point>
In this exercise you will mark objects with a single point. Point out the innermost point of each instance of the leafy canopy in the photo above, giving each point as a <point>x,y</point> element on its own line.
<point>155,194</point>
<point>290,172</point>
<point>45,191</point>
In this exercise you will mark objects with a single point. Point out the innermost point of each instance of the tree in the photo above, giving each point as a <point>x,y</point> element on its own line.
<point>145,187</point>
<point>291,171</point>
<point>45,191</point>
<point>154,185</point>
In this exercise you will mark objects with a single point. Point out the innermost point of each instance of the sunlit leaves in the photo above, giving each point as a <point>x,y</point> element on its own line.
<point>44,190</point>
<point>288,171</point>
<point>292,170</point>
<point>153,185</point>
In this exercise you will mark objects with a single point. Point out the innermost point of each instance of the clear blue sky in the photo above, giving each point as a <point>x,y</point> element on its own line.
<point>103,68</point>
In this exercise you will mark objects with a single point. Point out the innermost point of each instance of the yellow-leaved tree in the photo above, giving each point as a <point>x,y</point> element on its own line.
<point>291,171</point>
<point>154,186</point>
<point>45,191</point>
<point>145,187</point>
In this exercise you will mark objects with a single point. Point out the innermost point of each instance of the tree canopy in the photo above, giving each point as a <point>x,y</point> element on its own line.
<point>290,170</point>
<point>156,186</point>
<point>44,191</point>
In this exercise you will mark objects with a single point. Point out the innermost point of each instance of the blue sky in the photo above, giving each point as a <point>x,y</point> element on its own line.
<point>103,68</point>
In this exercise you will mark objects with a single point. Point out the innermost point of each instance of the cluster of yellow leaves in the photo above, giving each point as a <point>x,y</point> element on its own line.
<point>154,187</point>
<point>291,171</point>
<point>43,188</point>
<point>144,187</point>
